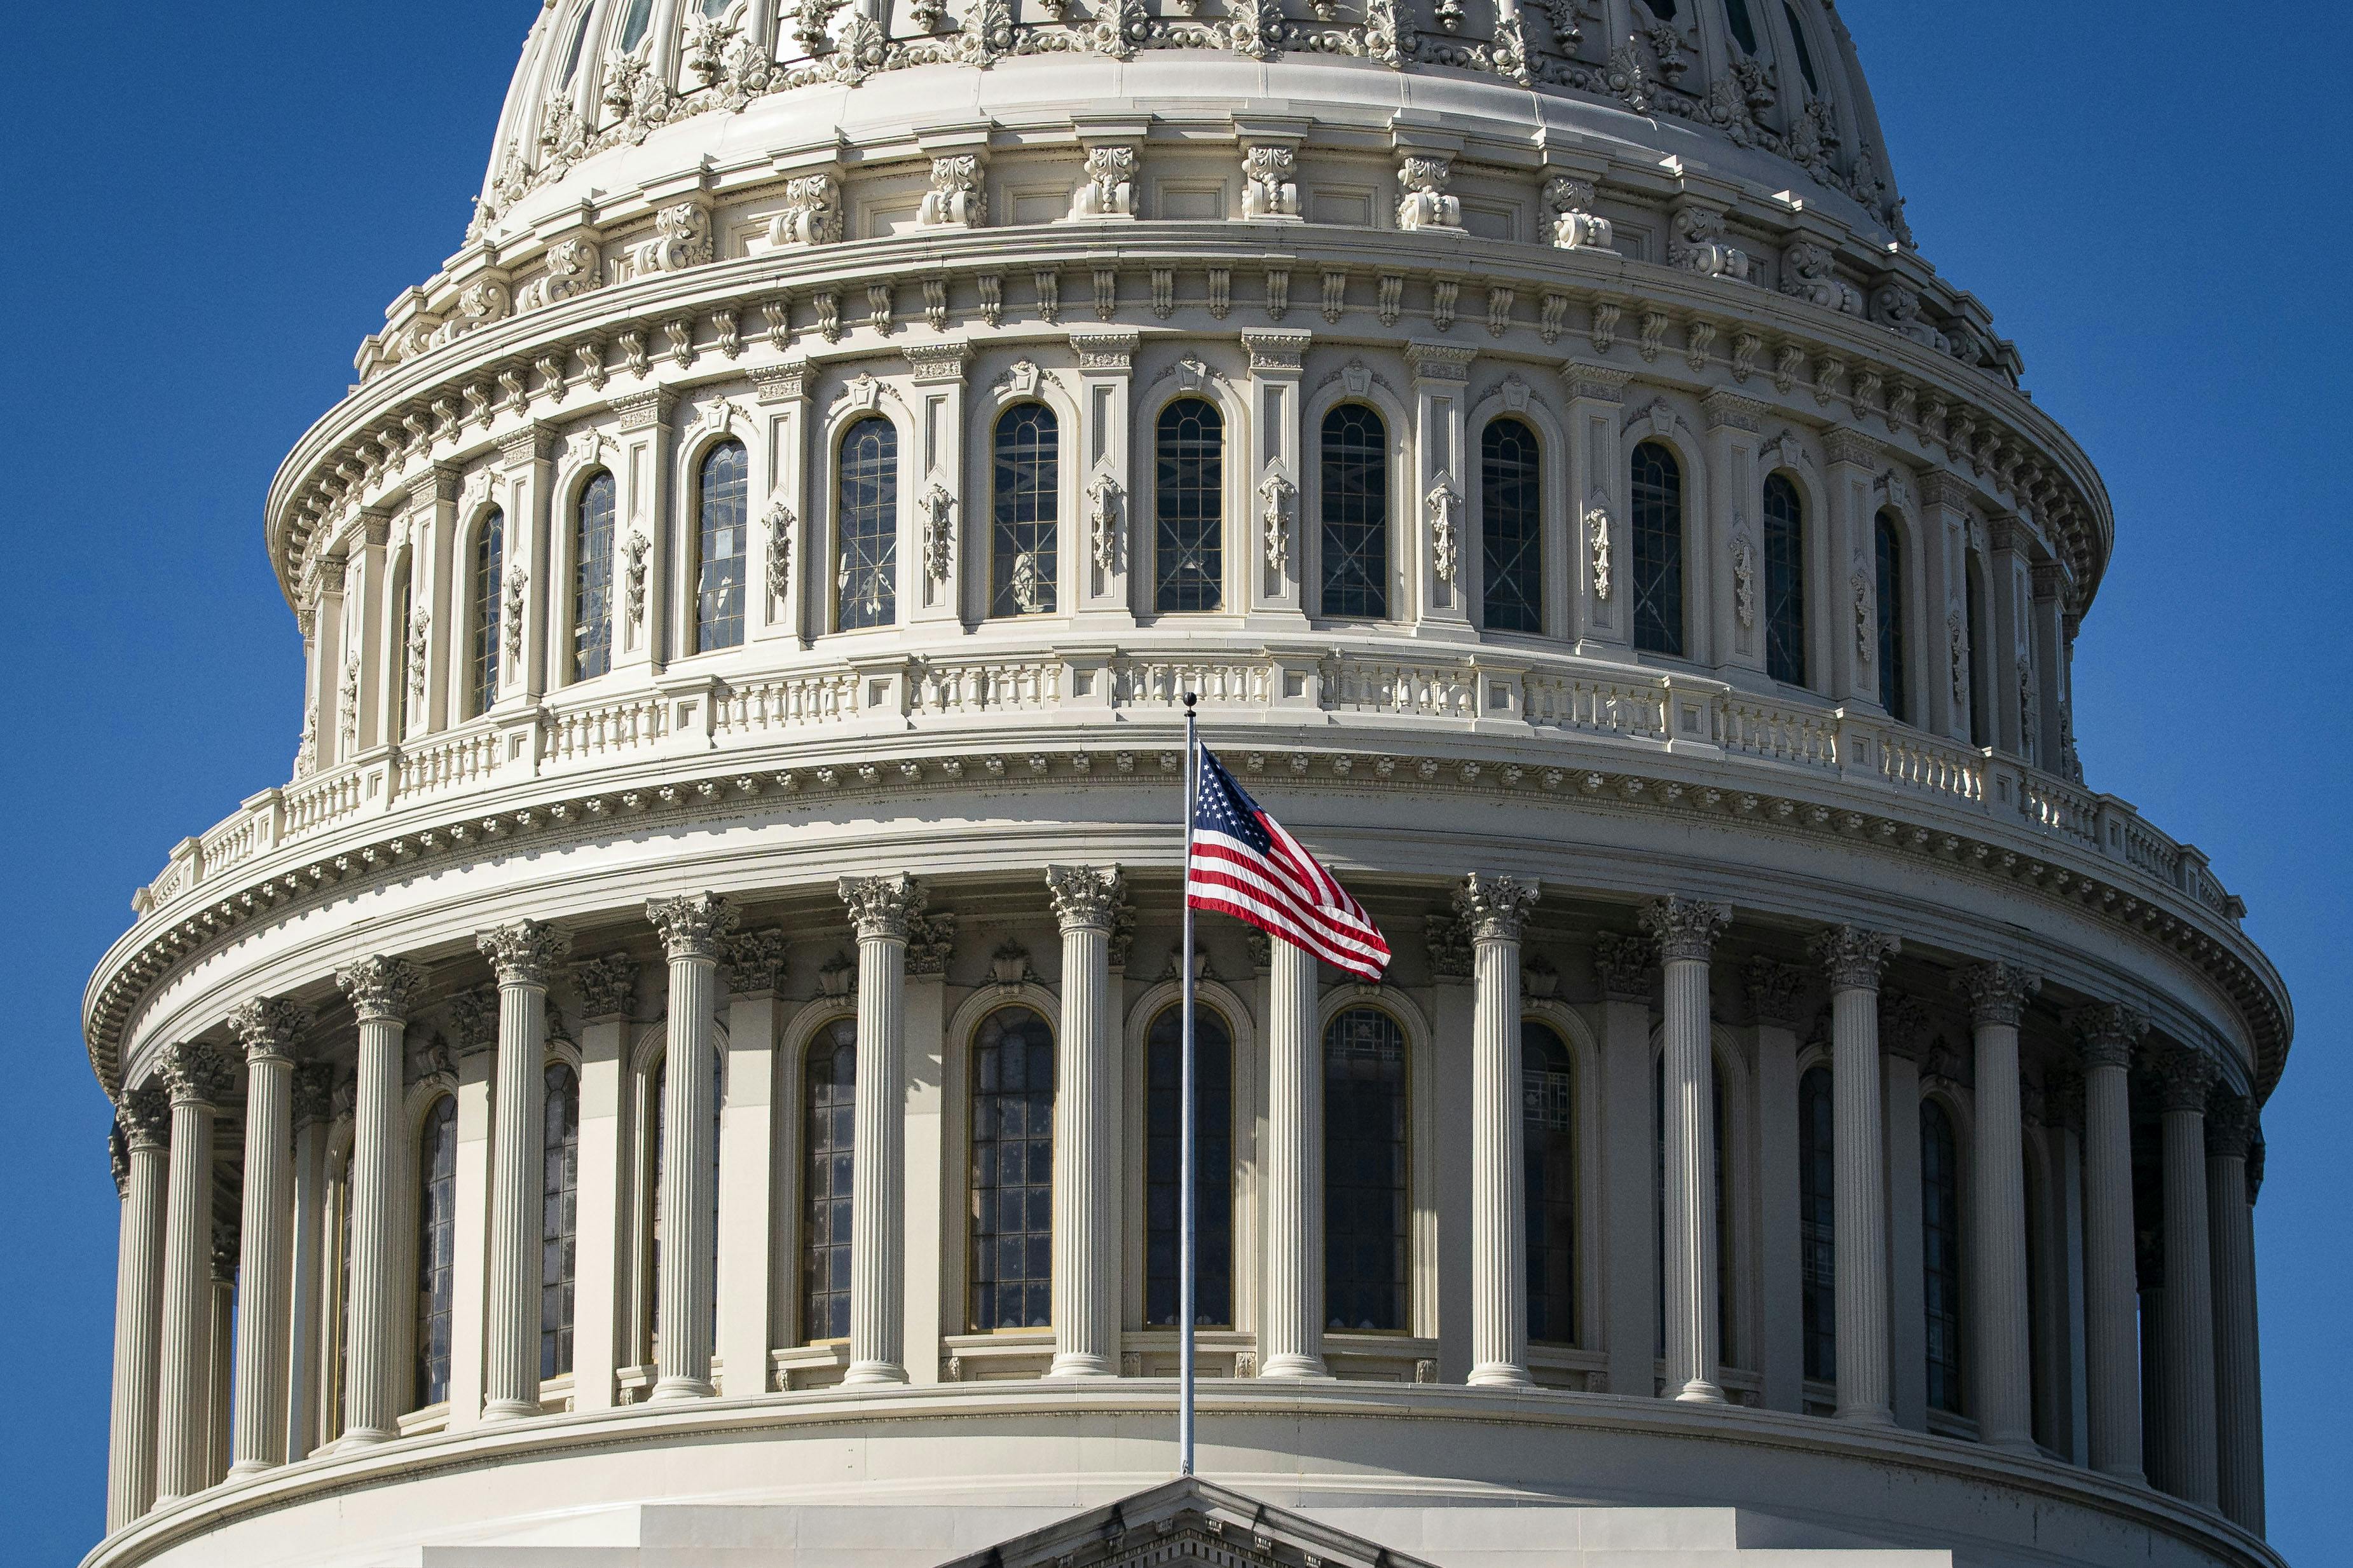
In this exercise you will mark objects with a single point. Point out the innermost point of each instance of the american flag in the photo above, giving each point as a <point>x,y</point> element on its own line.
<point>1246,866</point>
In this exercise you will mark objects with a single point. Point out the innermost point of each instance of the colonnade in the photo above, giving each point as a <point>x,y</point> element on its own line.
<point>172,1384</point>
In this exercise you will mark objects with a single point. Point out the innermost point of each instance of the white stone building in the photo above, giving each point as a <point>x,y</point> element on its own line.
<point>748,593</point>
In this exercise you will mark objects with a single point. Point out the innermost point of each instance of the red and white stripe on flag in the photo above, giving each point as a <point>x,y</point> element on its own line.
<point>1244,864</point>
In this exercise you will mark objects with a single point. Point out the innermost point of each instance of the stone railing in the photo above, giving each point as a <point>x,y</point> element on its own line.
<point>1649,713</point>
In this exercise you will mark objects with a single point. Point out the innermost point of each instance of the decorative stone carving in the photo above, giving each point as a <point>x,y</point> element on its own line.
<point>269,1026</point>
<point>525,952</point>
<point>1443,505</point>
<point>1494,908</point>
<point>931,940</point>
<point>691,924</point>
<point>958,198</point>
<point>1698,246</point>
<point>1774,989</point>
<point>1574,224</point>
<point>380,988</point>
<point>511,613</point>
<point>574,267</point>
<point>811,214</point>
<point>1852,957</point>
<point>608,985</point>
<point>1865,628</point>
<point>681,239</point>
<point>1085,895</point>
<point>1996,992</point>
<point>778,522</point>
<point>473,1018</point>
<point>2185,1075</point>
<point>2109,1033</point>
<point>1897,307</point>
<point>314,1094</point>
<point>879,906</point>
<point>1447,939</point>
<point>1957,647</point>
<point>1268,191</point>
<point>1626,966</point>
<point>939,533</point>
<point>1597,547</point>
<point>1743,573</point>
<point>1424,203</point>
<point>1684,928</point>
<point>1904,1031</point>
<point>1108,188</point>
<point>1104,498</point>
<point>1809,273</point>
<point>197,1074</point>
<point>1274,494</point>
<point>633,574</point>
<point>752,962</point>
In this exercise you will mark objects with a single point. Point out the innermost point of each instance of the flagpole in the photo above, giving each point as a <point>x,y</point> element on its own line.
<point>1185,1151</point>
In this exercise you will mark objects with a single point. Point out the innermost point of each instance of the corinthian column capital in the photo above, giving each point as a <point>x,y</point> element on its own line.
<point>2108,1034</point>
<point>1493,907</point>
<point>608,985</point>
<point>2186,1076</point>
<point>525,952</point>
<point>145,1117</point>
<point>269,1026</point>
<point>314,1094</point>
<point>2230,1125</point>
<point>691,924</point>
<point>1624,965</point>
<point>1086,897</point>
<point>754,960</point>
<point>1685,928</point>
<point>1774,988</point>
<point>381,988</point>
<point>880,907</point>
<point>196,1074</point>
<point>1853,958</point>
<point>1997,993</point>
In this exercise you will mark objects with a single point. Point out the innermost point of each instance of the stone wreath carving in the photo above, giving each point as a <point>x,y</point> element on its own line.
<point>1275,491</point>
<point>1103,498</point>
<point>939,533</point>
<point>1444,504</point>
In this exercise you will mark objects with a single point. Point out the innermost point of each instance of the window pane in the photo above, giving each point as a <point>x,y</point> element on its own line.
<point>1940,1233</point>
<point>1190,554</point>
<point>1805,55</point>
<point>1784,582</point>
<point>1658,551</point>
<point>1355,512</point>
<point>1012,1171</point>
<point>1213,1167</point>
<point>436,1206</point>
<point>1980,719</point>
<point>403,617</point>
<point>1894,693</point>
<point>490,557</point>
<point>633,25</point>
<point>1364,1238</point>
<point>1818,1223</point>
<point>1022,544</point>
<point>559,1220</point>
<point>831,1098</point>
<point>592,579</point>
<point>1511,501</point>
<point>1735,13</point>
<point>719,585</point>
<point>867,576</point>
<point>1548,1116</point>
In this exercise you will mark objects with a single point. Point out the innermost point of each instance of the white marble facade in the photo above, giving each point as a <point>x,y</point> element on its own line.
<point>747,598</point>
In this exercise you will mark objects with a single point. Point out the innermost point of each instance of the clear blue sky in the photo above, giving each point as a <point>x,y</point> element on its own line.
<point>212,204</point>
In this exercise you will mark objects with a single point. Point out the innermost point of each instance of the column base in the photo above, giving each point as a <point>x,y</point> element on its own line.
<point>2132,1476</point>
<point>509,1410</point>
<point>870,1372</point>
<point>1699,1391</point>
<point>2024,1448</point>
<point>1500,1375</point>
<point>1078,1363</point>
<point>1868,1416</point>
<point>244,1469</point>
<point>681,1388</point>
<point>352,1442</point>
<point>1295,1366</point>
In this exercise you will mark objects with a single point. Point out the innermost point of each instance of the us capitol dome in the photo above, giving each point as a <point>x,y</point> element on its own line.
<point>685,1073</point>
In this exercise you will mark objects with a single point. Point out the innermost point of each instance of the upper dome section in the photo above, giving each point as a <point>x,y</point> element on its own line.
<point>1763,92</point>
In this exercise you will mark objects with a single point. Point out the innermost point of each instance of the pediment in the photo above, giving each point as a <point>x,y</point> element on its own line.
<point>1186,1521</point>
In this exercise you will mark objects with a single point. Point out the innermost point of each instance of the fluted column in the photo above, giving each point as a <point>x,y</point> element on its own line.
<point>1086,1112</point>
<point>223,1345</point>
<point>521,955</point>
<point>1686,929</point>
<point>268,1029</point>
<point>1494,909</point>
<point>145,1122</point>
<point>1290,1331</point>
<point>2111,1354</point>
<point>2238,1366</point>
<point>2187,1349</point>
<point>2004,1343</point>
<point>1853,959</point>
<point>691,926</point>
<point>198,1080</point>
<point>380,990</point>
<point>879,909</point>
<point>314,1109</point>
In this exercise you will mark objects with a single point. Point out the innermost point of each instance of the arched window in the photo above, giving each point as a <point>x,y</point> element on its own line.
<point>1736,16</point>
<point>1023,555</point>
<point>1012,1171</point>
<point>1980,721</point>
<point>1189,508</point>
<point>1784,582</point>
<point>724,486</point>
<point>1805,55</point>
<point>1511,506</point>
<point>436,1248</point>
<point>1818,1223</point>
<point>1364,1187</point>
<point>1940,1235</point>
<point>1213,1175</point>
<point>490,566</point>
<point>1894,693</point>
<point>403,617</point>
<point>654,1186</point>
<point>1548,1113</point>
<point>579,38</point>
<point>633,25</point>
<point>867,509</point>
<point>1658,551</point>
<point>829,1092</point>
<point>1356,503</point>
<point>592,579</point>
<point>559,1220</point>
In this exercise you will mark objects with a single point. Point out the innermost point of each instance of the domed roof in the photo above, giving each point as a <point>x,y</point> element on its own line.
<point>614,93</point>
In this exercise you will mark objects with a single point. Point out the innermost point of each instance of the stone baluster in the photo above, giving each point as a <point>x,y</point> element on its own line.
<point>2185,1351</point>
<point>1686,929</point>
<point>2110,1275</point>
<point>1853,960</point>
<point>2238,1366</point>
<point>144,1122</point>
<point>1291,1336</point>
<point>380,990</point>
<point>522,956</point>
<point>880,909</point>
<point>1495,910</point>
<point>2004,1347</point>
<point>314,1112</point>
<point>200,1081</point>
<point>690,926</point>
<point>268,1027</point>
<point>1086,1129</point>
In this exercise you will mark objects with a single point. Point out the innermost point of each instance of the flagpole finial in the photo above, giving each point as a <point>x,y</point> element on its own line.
<point>1190,697</point>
